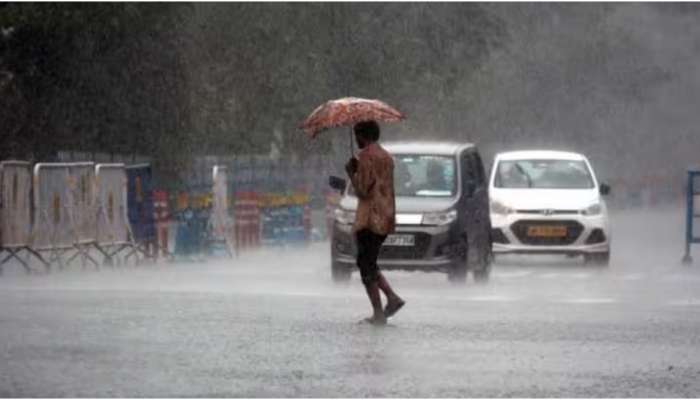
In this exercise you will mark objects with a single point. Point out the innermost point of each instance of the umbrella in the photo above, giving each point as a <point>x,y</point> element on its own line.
<point>347,112</point>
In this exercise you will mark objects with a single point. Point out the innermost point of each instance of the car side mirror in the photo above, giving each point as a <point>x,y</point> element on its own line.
<point>337,183</point>
<point>604,189</point>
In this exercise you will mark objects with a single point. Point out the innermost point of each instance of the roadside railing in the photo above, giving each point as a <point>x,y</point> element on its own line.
<point>692,213</point>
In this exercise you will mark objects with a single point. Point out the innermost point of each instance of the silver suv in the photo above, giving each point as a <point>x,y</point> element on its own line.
<point>442,214</point>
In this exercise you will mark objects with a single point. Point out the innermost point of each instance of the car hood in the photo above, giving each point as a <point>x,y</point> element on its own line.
<point>408,205</point>
<point>538,199</point>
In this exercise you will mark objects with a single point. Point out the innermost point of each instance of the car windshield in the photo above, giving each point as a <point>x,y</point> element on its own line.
<point>420,175</point>
<point>543,174</point>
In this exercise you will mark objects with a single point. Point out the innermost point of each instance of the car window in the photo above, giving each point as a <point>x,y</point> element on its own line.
<point>543,174</point>
<point>423,175</point>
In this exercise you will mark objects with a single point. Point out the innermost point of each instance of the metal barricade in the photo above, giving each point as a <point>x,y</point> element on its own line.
<point>221,223</point>
<point>113,229</point>
<point>83,211</point>
<point>692,213</point>
<point>54,223</point>
<point>15,213</point>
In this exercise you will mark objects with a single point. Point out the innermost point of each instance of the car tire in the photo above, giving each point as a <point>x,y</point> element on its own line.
<point>458,272</point>
<point>340,273</point>
<point>482,272</point>
<point>460,268</point>
<point>482,276</point>
<point>598,259</point>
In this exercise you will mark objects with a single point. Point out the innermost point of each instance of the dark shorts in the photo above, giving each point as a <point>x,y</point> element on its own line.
<point>368,245</point>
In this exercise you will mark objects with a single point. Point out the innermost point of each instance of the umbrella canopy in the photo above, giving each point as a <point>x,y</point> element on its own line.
<point>347,112</point>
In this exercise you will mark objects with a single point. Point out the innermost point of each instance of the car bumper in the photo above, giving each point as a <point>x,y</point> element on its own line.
<point>438,249</point>
<point>506,240</point>
<point>438,264</point>
<point>527,249</point>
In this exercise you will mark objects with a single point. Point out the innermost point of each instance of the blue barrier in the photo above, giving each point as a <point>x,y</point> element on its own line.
<point>283,225</point>
<point>186,241</point>
<point>193,236</point>
<point>692,213</point>
<point>140,202</point>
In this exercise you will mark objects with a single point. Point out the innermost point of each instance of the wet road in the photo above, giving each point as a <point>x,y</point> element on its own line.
<point>271,324</point>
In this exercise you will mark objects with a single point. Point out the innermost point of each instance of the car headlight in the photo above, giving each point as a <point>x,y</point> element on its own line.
<point>439,218</point>
<point>594,209</point>
<point>499,208</point>
<point>345,217</point>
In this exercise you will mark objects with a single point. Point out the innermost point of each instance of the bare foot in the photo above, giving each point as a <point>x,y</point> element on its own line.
<point>375,320</point>
<point>393,306</point>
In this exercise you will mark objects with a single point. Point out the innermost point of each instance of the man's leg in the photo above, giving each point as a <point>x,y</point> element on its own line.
<point>393,301</point>
<point>375,299</point>
<point>386,288</point>
<point>366,261</point>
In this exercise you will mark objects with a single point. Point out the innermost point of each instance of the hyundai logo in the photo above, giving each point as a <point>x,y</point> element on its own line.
<point>548,212</point>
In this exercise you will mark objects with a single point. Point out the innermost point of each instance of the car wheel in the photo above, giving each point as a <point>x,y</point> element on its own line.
<point>482,272</point>
<point>458,273</point>
<point>340,273</point>
<point>482,276</point>
<point>598,259</point>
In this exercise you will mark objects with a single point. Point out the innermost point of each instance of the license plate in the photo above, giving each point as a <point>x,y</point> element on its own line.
<point>546,231</point>
<point>400,240</point>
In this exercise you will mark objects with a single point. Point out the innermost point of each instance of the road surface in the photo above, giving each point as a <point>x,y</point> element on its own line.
<point>271,324</point>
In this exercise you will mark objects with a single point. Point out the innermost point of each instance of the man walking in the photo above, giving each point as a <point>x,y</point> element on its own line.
<point>372,176</point>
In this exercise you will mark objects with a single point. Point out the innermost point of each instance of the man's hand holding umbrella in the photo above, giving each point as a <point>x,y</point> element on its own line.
<point>351,166</point>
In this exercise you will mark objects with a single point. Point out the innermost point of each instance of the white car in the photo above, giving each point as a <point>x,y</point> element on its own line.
<point>548,202</point>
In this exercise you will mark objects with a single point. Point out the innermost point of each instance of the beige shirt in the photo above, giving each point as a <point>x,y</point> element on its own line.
<point>374,186</point>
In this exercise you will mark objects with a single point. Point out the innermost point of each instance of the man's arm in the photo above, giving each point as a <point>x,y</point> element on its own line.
<point>363,179</point>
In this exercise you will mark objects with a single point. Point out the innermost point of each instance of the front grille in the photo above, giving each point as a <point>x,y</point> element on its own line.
<point>415,252</point>
<point>548,212</point>
<point>573,231</point>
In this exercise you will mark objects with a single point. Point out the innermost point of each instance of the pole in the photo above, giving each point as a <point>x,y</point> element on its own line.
<point>687,258</point>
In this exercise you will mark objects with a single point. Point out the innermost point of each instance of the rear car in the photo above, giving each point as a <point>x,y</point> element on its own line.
<point>442,218</point>
<point>548,202</point>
